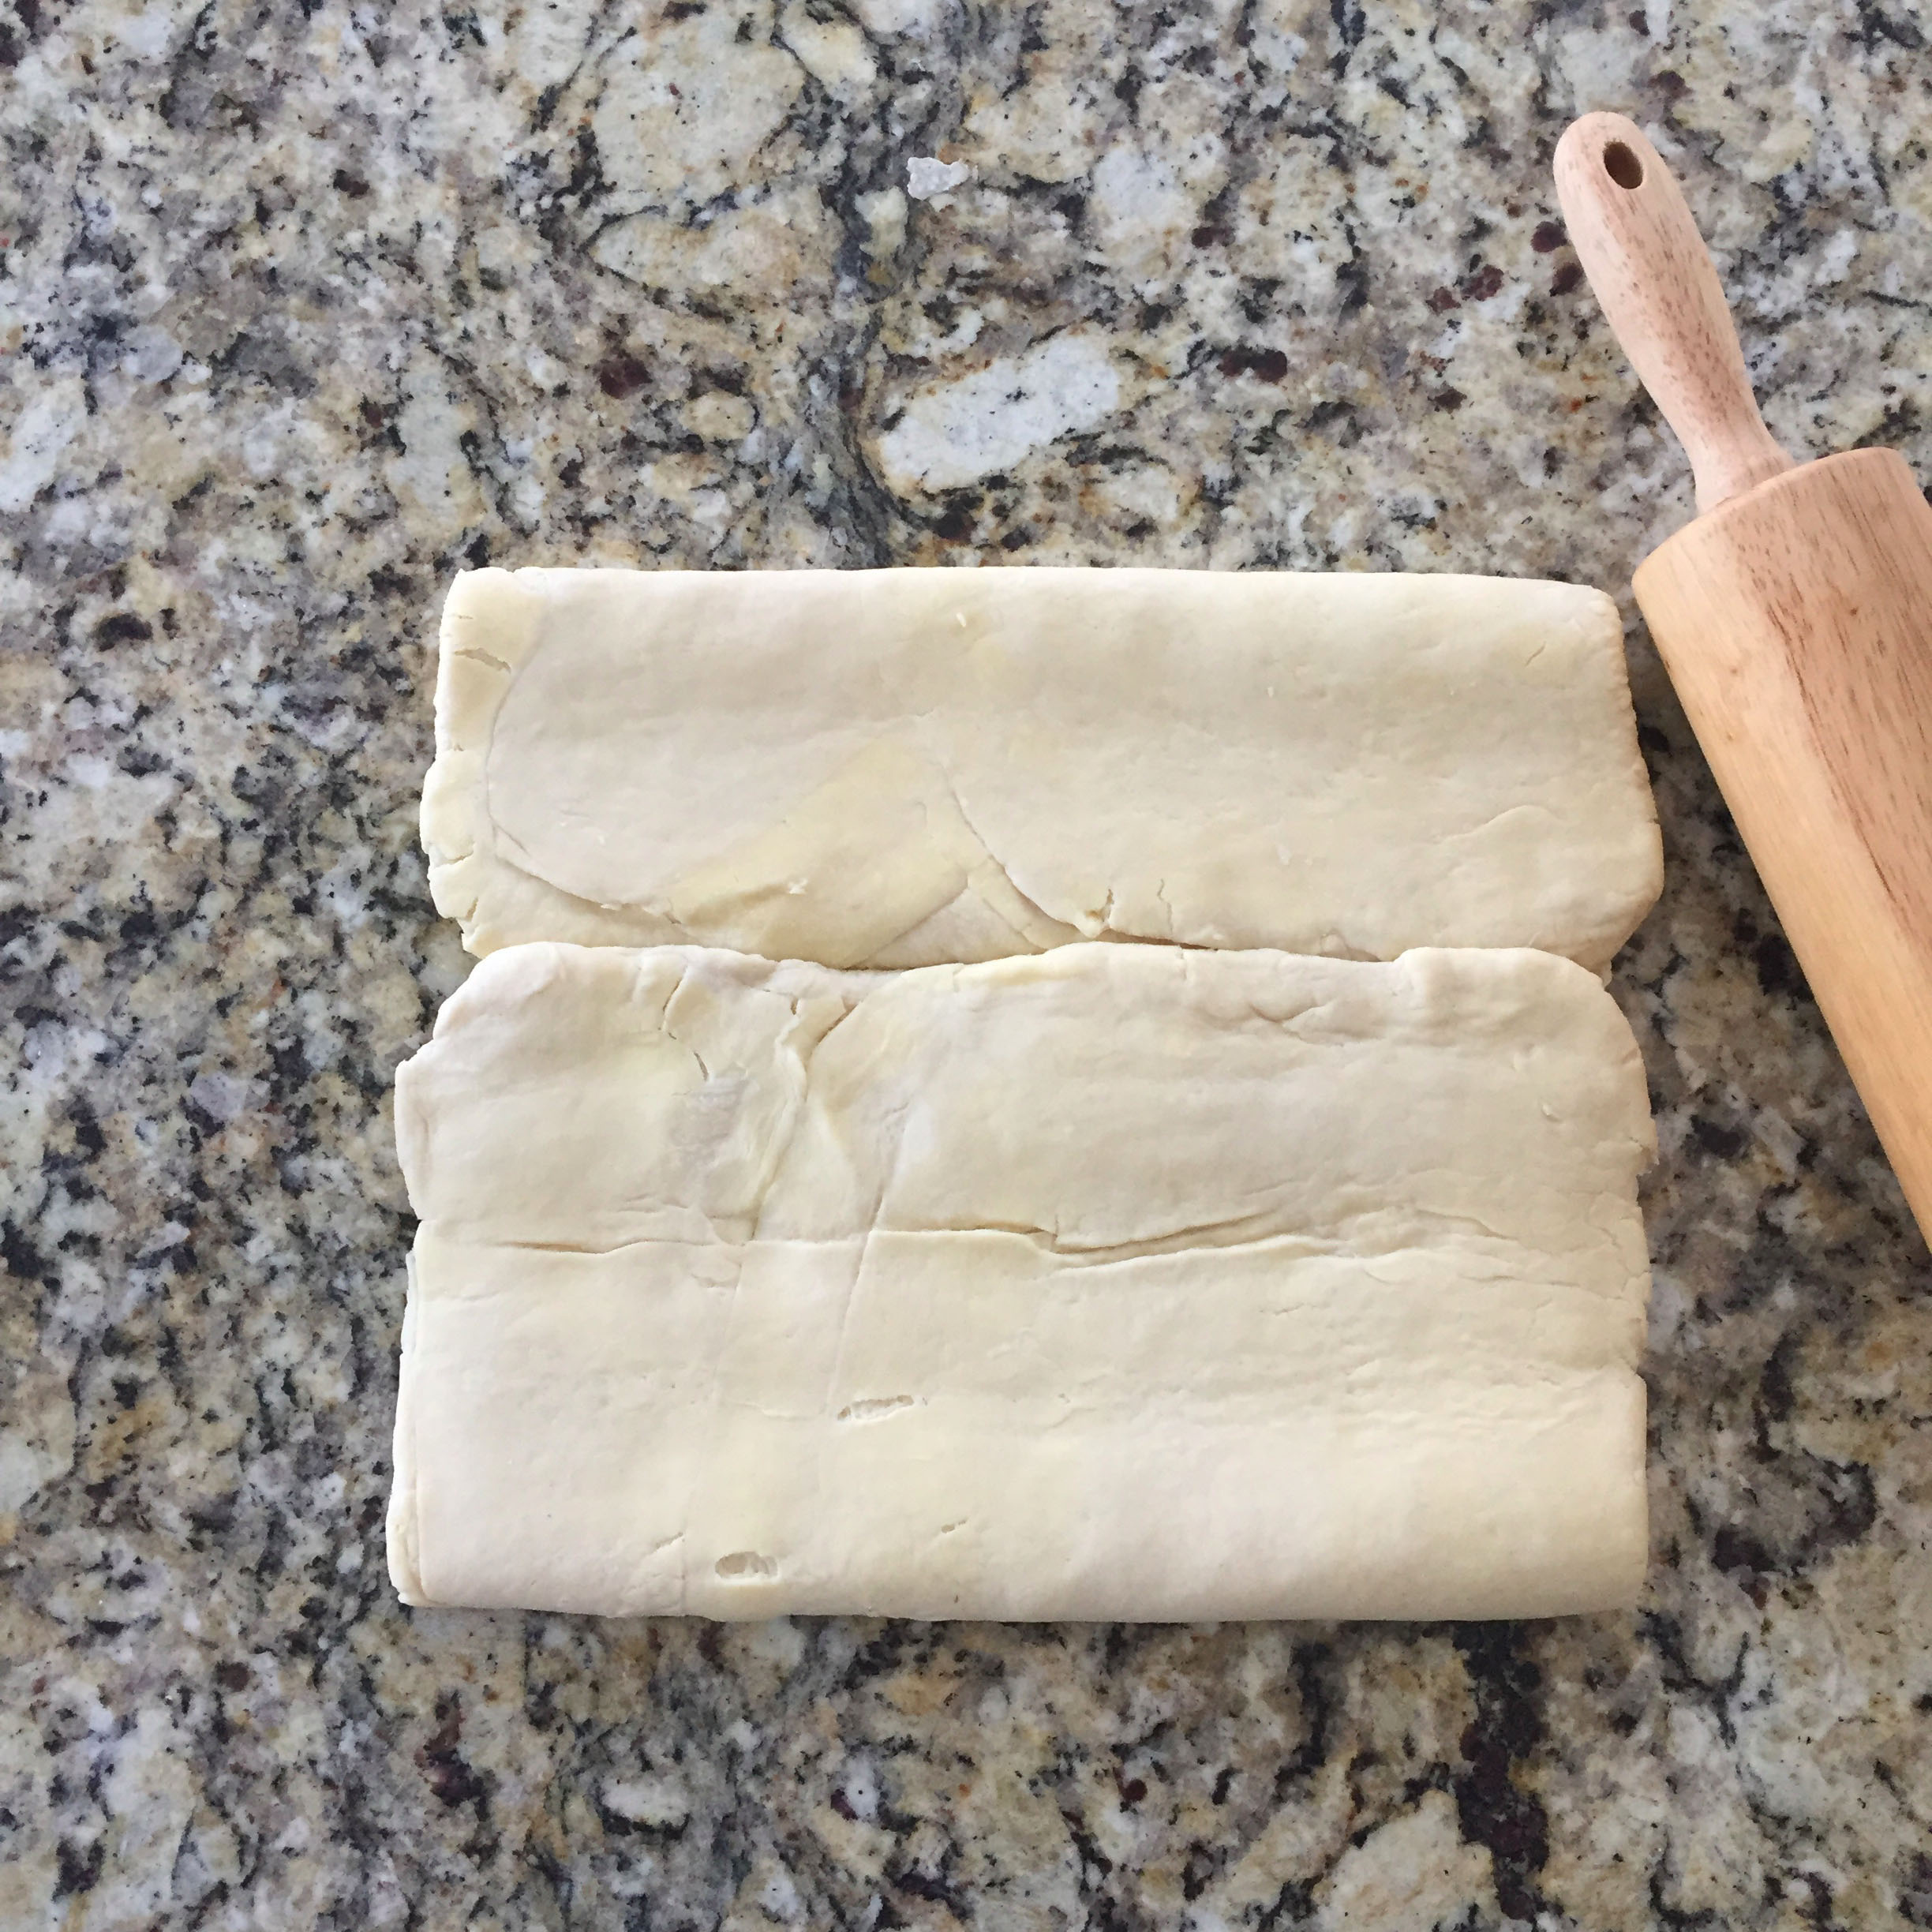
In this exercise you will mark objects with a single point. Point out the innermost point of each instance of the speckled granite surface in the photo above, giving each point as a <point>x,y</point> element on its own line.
<point>300,308</point>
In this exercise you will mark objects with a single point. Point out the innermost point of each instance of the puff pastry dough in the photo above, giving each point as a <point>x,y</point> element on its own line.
<point>904,767</point>
<point>1121,1282</point>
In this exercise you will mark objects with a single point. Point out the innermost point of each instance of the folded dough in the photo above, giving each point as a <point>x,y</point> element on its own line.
<point>1121,1282</point>
<point>904,767</point>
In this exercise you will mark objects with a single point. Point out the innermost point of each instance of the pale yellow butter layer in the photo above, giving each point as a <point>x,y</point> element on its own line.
<point>1121,1282</point>
<point>908,767</point>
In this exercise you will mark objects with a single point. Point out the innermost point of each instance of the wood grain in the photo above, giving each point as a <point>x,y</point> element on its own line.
<point>1796,624</point>
<point>1652,273</point>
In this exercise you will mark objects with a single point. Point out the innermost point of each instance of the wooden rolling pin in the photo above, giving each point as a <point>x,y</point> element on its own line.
<point>1795,616</point>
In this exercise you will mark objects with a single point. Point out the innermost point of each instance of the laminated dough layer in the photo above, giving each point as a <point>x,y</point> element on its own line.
<point>1118,1282</point>
<point>910,767</point>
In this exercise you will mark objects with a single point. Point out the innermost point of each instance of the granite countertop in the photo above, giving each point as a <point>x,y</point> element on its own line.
<point>304,309</point>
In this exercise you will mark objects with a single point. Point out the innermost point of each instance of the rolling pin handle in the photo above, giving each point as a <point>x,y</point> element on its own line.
<point>1653,276</point>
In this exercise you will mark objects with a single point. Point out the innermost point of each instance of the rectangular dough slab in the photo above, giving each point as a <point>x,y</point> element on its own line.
<point>1121,1282</point>
<point>909,767</point>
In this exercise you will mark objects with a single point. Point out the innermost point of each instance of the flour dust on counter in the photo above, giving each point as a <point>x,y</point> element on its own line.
<point>1121,1282</point>
<point>908,768</point>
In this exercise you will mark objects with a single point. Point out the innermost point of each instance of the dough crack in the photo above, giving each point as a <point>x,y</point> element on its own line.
<point>1523,808</point>
<point>1232,1231</point>
<point>669,1025</point>
<point>782,1142</point>
<point>1260,1230</point>
<point>993,860</point>
<point>477,655</point>
<point>716,1237</point>
<point>874,1408</point>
